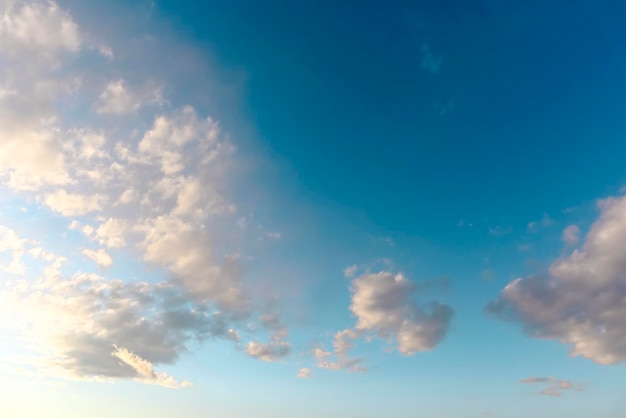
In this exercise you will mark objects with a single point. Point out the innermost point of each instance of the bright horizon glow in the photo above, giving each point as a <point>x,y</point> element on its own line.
<point>234,210</point>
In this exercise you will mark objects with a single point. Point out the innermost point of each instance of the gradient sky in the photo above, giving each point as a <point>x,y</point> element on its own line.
<point>312,208</point>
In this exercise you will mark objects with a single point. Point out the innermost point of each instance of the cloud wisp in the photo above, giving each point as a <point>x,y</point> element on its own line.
<point>552,387</point>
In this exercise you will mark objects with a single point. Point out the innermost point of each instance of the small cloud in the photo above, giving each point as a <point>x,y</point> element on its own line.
<point>524,248</point>
<point>571,235</point>
<point>488,274</point>
<point>499,231</point>
<point>350,270</point>
<point>273,235</point>
<point>430,62</point>
<point>553,387</point>
<point>100,257</point>
<point>305,373</point>
<point>545,222</point>
<point>117,99</point>
<point>106,52</point>
<point>273,351</point>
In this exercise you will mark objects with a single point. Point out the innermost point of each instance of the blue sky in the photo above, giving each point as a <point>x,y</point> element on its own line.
<point>276,208</point>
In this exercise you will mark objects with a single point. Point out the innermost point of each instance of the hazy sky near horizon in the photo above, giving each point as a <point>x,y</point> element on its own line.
<point>312,208</point>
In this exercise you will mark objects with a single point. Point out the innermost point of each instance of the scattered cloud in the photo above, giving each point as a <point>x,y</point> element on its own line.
<point>430,63</point>
<point>500,231</point>
<point>153,185</point>
<point>273,235</point>
<point>545,222</point>
<point>488,274</point>
<point>275,350</point>
<point>305,373</point>
<point>384,306</point>
<point>350,271</point>
<point>117,99</point>
<point>145,370</point>
<point>579,301</point>
<point>571,235</point>
<point>553,387</point>
<point>100,257</point>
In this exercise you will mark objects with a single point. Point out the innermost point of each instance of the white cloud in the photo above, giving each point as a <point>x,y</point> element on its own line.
<point>580,300</point>
<point>553,387</point>
<point>384,306</point>
<point>106,52</point>
<point>571,235</point>
<point>305,373</point>
<point>273,235</point>
<point>72,204</point>
<point>145,370</point>
<point>37,27</point>
<point>159,194</point>
<point>275,350</point>
<point>11,243</point>
<point>100,257</point>
<point>117,99</point>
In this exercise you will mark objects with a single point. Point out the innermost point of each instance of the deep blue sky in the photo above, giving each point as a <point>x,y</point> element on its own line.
<point>338,90</point>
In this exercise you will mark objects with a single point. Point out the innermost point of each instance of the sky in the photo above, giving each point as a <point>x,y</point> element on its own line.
<point>313,208</point>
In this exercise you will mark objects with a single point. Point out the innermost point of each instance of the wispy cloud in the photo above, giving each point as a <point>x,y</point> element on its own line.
<point>552,387</point>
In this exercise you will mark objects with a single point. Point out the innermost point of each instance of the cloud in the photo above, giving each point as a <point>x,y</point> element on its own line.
<point>39,28</point>
<point>579,301</point>
<point>117,99</point>
<point>145,370</point>
<point>273,235</point>
<point>350,271</point>
<point>499,231</point>
<point>72,204</point>
<point>384,306</point>
<point>571,235</point>
<point>553,387</point>
<point>430,62</point>
<point>305,373</point>
<point>545,222</point>
<point>153,185</point>
<point>273,351</point>
<point>100,257</point>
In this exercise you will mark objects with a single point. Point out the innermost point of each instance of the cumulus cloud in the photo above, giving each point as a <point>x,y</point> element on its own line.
<point>581,300</point>
<point>385,307</point>
<point>571,235</point>
<point>153,186</point>
<point>552,387</point>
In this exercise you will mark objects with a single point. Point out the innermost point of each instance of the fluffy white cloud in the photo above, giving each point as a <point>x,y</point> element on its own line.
<point>72,204</point>
<point>553,387</point>
<point>12,244</point>
<point>117,99</point>
<point>41,28</point>
<point>581,300</point>
<point>384,306</point>
<point>100,257</point>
